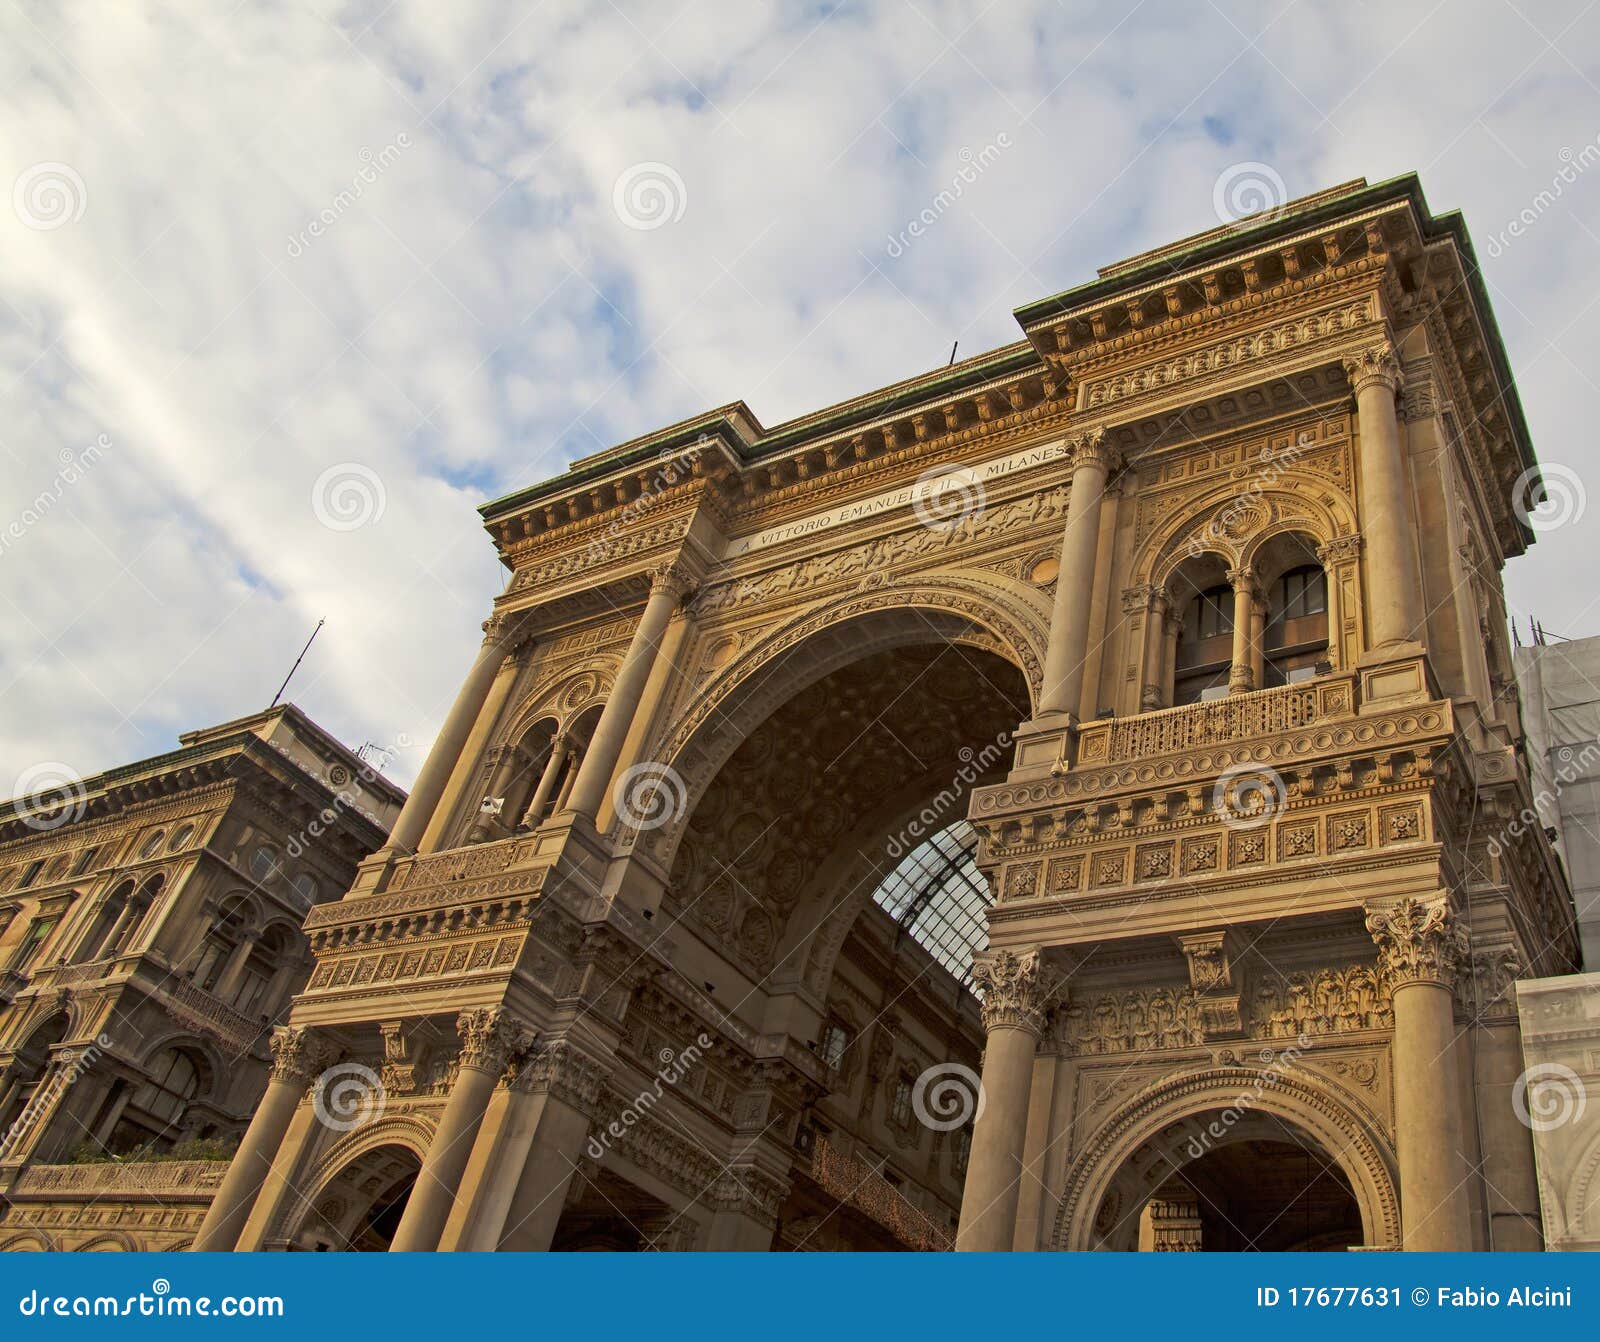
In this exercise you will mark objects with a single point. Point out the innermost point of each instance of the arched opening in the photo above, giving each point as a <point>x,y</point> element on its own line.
<point>1202,603</point>
<point>839,785</point>
<point>1260,1195</point>
<point>358,1210</point>
<point>153,1118</point>
<point>524,783</point>
<point>28,1074</point>
<point>1295,588</point>
<point>1232,1159</point>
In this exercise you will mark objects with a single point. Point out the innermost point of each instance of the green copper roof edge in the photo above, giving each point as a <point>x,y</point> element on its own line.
<point>922,389</point>
<point>1407,185</point>
<point>980,368</point>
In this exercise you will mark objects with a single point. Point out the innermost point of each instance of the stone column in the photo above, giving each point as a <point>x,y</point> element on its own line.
<point>504,764</point>
<point>471,755</point>
<point>667,586</point>
<point>1421,947</point>
<point>1258,642</point>
<point>420,806</point>
<point>490,1037</point>
<point>298,1056</point>
<point>1155,650</point>
<point>547,780</point>
<point>744,1218</point>
<point>233,971</point>
<point>1092,460</point>
<point>119,929</point>
<point>1394,583</point>
<point>565,1084</point>
<point>1174,632</point>
<point>1015,995</point>
<point>1241,676</point>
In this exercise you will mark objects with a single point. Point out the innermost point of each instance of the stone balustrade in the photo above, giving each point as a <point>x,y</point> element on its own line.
<point>1235,718</point>
<point>142,1178</point>
<point>859,1185</point>
<point>191,1005</point>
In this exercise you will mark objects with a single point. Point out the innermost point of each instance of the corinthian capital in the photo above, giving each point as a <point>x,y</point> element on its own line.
<point>1015,990</point>
<point>673,578</point>
<point>490,1038</point>
<point>1418,942</point>
<point>1093,448</point>
<point>501,630</point>
<point>1374,365</point>
<point>299,1054</point>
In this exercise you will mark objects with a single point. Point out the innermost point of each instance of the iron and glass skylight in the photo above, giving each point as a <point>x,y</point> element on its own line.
<point>938,896</point>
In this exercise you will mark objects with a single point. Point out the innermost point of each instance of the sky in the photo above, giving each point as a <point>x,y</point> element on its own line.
<point>287,290</point>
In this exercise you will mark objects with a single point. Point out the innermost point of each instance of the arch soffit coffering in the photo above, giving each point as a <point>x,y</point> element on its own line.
<point>1319,1108</point>
<point>817,642</point>
<point>411,1132</point>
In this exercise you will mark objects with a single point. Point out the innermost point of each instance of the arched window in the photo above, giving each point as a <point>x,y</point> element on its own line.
<point>173,1082</point>
<point>1205,646</point>
<point>1297,625</point>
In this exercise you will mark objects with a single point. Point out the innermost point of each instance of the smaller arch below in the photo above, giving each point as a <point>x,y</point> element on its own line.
<point>1146,1142</point>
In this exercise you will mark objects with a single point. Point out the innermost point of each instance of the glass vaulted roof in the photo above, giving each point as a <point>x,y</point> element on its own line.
<point>938,896</point>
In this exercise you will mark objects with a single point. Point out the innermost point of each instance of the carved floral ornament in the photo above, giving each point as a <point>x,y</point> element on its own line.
<point>299,1054</point>
<point>1375,365</point>
<point>1419,942</point>
<point>1017,990</point>
<point>491,1037</point>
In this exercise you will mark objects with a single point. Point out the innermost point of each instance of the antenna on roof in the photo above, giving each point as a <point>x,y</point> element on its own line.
<point>296,665</point>
<point>953,345</point>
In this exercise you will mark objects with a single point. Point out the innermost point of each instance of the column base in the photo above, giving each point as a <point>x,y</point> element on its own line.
<point>1042,744</point>
<point>1394,676</point>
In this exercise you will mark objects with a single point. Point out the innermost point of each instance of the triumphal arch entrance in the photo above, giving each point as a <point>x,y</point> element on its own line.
<point>1128,708</point>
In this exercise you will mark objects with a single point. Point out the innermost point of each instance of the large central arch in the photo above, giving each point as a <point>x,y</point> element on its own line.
<point>832,748</point>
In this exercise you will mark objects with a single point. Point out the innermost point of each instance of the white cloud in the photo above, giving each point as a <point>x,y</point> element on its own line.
<point>477,315</point>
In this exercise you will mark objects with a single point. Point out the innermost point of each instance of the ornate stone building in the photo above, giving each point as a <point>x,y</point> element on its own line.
<point>1174,630</point>
<point>149,939</point>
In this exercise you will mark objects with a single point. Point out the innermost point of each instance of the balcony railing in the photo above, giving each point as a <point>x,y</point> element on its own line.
<point>199,1010</point>
<point>857,1184</point>
<point>1238,717</point>
<point>199,1178</point>
<point>461,864</point>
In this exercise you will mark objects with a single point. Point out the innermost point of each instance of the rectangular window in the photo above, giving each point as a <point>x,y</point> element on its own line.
<point>835,1040</point>
<point>31,874</point>
<point>33,943</point>
<point>963,1150</point>
<point>84,861</point>
<point>900,1109</point>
